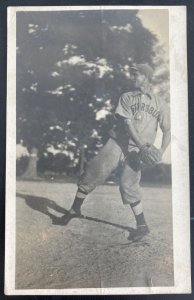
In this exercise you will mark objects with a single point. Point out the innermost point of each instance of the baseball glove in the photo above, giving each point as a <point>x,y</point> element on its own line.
<point>150,155</point>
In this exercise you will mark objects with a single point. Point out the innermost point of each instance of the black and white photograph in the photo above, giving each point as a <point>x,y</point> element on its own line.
<point>97,99</point>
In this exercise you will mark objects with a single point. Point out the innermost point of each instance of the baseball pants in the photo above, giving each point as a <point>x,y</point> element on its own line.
<point>107,160</point>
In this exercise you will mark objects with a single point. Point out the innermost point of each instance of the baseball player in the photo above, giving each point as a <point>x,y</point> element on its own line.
<point>138,114</point>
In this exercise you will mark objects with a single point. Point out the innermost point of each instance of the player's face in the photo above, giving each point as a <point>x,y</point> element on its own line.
<point>138,79</point>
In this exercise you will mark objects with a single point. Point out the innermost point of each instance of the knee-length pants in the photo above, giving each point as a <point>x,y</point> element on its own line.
<point>107,160</point>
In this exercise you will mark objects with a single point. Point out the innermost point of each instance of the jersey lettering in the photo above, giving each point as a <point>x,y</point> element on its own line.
<point>133,108</point>
<point>151,110</point>
<point>145,107</point>
<point>142,106</point>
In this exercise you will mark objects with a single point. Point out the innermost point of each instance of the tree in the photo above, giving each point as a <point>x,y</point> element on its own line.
<point>71,69</point>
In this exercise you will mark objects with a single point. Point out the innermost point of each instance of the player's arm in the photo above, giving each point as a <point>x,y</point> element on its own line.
<point>132,132</point>
<point>164,121</point>
<point>124,115</point>
<point>165,141</point>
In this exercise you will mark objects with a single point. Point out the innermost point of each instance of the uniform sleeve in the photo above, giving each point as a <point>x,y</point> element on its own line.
<point>123,108</point>
<point>164,117</point>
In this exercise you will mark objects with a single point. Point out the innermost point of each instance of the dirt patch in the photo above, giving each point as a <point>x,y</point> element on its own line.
<point>90,252</point>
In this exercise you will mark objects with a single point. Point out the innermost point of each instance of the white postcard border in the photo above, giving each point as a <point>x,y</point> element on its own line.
<point>179,150</point>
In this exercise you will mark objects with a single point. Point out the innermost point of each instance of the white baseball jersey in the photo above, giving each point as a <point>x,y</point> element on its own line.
<point>146,112</point>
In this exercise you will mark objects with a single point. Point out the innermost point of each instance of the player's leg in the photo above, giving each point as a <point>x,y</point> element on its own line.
<point>97,171</point>
<point>131,194</point>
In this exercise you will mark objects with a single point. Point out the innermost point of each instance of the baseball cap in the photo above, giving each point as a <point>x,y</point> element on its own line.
<point>144,69</point>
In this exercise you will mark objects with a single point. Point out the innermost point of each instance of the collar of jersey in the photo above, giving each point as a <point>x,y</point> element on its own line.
<point>140,92</point>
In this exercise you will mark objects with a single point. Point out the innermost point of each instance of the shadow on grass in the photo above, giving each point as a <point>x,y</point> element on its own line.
<point>42,205</point>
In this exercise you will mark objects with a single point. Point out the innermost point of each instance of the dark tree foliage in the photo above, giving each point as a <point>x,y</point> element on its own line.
<point>71,69</point>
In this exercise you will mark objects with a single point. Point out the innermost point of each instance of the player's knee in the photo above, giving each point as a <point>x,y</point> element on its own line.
<point>86,187</point>
<point>130,190</point>
<point>127,183</point>
<point>130,196</point>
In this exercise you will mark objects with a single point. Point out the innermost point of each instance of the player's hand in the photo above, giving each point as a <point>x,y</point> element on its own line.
<point>150,155</point>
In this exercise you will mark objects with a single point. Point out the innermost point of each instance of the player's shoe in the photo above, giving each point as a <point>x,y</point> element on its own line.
<point>139,233</point>
<point>64,220</point>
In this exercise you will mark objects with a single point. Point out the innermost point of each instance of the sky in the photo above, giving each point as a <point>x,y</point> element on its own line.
<point>157,22</point>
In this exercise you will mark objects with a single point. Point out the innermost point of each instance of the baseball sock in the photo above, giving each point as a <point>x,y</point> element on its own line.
<point>138,212</point>
<point>78,201</point>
